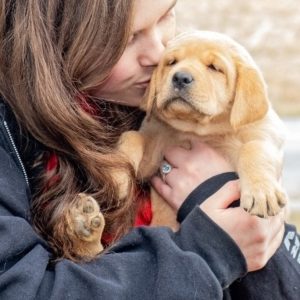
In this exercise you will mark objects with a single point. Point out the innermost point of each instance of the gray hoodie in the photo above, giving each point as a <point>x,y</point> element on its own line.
<point>200,261</point>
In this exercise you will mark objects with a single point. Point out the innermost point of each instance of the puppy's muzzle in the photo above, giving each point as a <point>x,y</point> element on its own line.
<point>182,80</point>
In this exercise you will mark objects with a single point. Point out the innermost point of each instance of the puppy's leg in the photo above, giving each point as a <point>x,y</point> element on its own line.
<point>259,170</point>
<point>131,145</point>
<point>163,214</point>
<point>85,227</point>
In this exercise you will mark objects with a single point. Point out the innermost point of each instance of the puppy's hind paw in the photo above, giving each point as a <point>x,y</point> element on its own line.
<point>87,224</point>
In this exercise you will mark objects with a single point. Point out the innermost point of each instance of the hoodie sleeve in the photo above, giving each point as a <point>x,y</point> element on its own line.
<point>197,262</point>
<point>279,279</point>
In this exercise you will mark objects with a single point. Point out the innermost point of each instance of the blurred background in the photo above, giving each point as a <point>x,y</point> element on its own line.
<point>270,30</point>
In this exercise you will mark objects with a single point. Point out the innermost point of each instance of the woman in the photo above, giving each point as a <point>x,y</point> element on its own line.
<point>58,59</point>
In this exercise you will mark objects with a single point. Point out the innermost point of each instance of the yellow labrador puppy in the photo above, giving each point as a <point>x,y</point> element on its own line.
<point>207,85</point>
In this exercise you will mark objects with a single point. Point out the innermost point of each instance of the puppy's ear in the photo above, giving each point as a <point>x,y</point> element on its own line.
<point>251,101</point>
<point>150,96</point>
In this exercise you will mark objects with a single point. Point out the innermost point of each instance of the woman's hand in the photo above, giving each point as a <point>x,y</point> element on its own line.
<point>189,169</point>
<point>257,238</point>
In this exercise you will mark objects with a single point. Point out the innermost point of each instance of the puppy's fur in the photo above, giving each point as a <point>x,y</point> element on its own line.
<point>207,85</point>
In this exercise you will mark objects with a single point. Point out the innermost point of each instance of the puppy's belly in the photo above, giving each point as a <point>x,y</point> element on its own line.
<point>163,214</point>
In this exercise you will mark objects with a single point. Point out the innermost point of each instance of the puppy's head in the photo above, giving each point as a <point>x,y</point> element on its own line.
<point>204,76</point>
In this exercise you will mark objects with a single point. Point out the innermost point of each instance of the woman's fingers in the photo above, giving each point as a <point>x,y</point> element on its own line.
<point>277,221</point>
<point>277,239</point>
<point>222,199</point>
<point>176,155</point>
<point>265,242</point>
<point>181,155</point>
<point>163,189</point>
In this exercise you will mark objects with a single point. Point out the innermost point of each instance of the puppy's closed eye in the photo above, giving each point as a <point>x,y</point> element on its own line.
<point>215,68</point>
<point>171,61</point>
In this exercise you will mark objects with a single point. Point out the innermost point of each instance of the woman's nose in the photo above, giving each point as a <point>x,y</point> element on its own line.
<point>152,51</point>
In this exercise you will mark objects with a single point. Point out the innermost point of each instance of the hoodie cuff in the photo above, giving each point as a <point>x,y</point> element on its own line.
<point>199,234</point>
<point>203,191</point>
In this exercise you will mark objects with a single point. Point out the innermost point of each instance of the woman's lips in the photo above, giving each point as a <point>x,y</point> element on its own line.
<point>142,84</point>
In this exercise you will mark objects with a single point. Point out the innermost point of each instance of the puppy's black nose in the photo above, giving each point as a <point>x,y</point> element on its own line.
<point>181,80</point>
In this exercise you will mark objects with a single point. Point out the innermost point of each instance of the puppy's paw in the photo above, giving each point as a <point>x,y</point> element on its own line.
<point>87,224</point>
<point>263,200</point>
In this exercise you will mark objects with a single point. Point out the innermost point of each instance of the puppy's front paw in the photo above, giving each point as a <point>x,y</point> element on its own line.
<point>87,224</point>
<point>263,200</point>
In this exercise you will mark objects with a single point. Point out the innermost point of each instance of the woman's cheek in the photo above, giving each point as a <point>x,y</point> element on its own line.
<point>120,73</point>
<point>168,29</point>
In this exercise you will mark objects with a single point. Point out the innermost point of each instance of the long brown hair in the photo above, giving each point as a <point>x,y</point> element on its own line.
<point>51,53</point>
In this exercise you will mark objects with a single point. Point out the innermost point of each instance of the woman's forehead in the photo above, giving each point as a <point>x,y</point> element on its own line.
<point>146,13</point>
